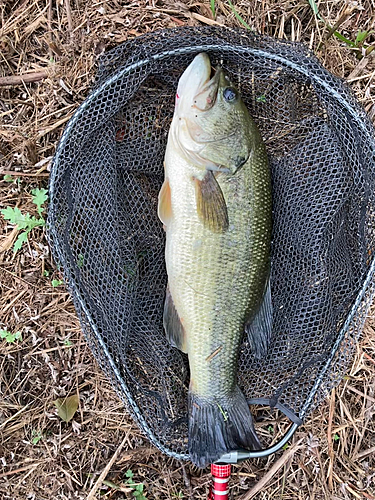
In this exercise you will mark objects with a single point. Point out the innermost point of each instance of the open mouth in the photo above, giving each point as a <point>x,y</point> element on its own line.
<point>206,98</point>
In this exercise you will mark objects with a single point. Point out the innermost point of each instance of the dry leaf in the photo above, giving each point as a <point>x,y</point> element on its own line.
<point>66,407</point>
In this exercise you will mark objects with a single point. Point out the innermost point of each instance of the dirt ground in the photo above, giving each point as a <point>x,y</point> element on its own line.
<point>57,44</point>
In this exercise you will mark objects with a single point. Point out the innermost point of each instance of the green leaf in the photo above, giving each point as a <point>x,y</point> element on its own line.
<point>39,198</point>
<point>361,36</point>
<point>111,484</point>
<point>261,98</point>
<point>212,3</point>
<point>56,283</point>
<point>241,20</point>
<point>12,214</point>
<point>18,336</point>
<point>8,178</point>
<point>343,39</point>
<point>15,216</point>
<point>67,407</point>
<point>20,241</point>
<point>314,8</point>
<point>80,260</point>
<point>140,487</point>
<point>338,35</point>
<point>129,473</point>
<point>336,437</point>
<point>36,436</point>
<point>10,337</point>
<point>46,273</point>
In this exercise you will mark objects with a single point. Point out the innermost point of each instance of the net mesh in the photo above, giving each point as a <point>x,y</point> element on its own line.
<point>105,233</point>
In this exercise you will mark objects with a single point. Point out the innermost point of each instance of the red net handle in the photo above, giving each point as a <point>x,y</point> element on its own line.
<point>219,490</point>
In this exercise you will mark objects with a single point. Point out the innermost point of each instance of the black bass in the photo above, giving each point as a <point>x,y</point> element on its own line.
<point>215,204</point>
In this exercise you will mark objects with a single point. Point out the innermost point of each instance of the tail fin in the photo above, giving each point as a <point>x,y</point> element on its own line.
<point>218,426</point>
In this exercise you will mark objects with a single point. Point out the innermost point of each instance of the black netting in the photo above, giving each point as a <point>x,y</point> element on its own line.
<point>104,230</point>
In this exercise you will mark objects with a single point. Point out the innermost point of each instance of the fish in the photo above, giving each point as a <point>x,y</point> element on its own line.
<point>216,208</point>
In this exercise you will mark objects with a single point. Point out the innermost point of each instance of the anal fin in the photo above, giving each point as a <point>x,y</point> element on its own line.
<point>172,324</point>
<point>259,329</point>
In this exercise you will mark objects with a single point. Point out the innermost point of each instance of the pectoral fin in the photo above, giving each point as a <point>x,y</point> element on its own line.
<point>165,203</point>
<point>259,329</point>
<point>211,206</point>
<point>172,324</point>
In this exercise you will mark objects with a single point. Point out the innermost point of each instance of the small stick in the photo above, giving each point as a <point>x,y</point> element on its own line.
<point>368,357</point>
<point>329,437</point>
<point>22,469</point>
<point>187,482</point>
<point>344,16</point>
<point>69,16</point>
<point>365,452</point>
<point>101,478</point>
<point>267,477</point>
<point>49,18</point>
<point>21,79</point>
<point>205,20</point>
<point>24,174</point>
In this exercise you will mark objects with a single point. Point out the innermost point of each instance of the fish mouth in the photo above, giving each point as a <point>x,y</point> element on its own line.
<point>205,98</point>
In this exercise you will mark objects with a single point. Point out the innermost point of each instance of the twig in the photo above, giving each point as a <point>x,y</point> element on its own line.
<point>17,277</point>
<point>21,79</point>
<point>17,297</point>
<point>8,241</point>
<point>344,16</point>
<point>22,469</point>
<point>362,454</point>
<point>69,16</point>
<point>25,174</point>
<point>329,438</point>
<point>49,18</point>
<point>267,477</point>
<point>368,357</point>
<point>187,482</point>
<point>91,495</point>
<point>56,125</point>
<point>352,489</point>
<point>4,424</point>
<point>360,393</point>
<point>358,69</point>
<point>205,20</point>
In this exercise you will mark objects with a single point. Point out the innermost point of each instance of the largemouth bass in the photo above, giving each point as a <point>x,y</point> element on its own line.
<point>215,204</point>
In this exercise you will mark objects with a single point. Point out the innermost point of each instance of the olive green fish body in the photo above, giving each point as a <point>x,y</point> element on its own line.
<point>215,204</point>
<point>218,279</point>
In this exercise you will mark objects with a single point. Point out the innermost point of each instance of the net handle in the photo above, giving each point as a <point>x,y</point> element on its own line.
<point>234,457</point>
<point>219,488</point>
<point>221,472</point>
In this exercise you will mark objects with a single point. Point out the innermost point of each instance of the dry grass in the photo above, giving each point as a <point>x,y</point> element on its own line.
<point>56,44</point>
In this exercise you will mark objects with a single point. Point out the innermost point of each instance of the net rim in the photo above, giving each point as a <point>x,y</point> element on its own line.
<point>54,240</point>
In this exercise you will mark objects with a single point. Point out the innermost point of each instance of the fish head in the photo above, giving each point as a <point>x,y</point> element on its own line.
<point>211,122</point>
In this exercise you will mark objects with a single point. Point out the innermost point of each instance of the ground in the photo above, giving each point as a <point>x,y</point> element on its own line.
<point>42,457</point>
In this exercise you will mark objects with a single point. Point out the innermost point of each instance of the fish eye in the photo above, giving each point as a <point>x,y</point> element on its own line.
<point>230,94</point>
